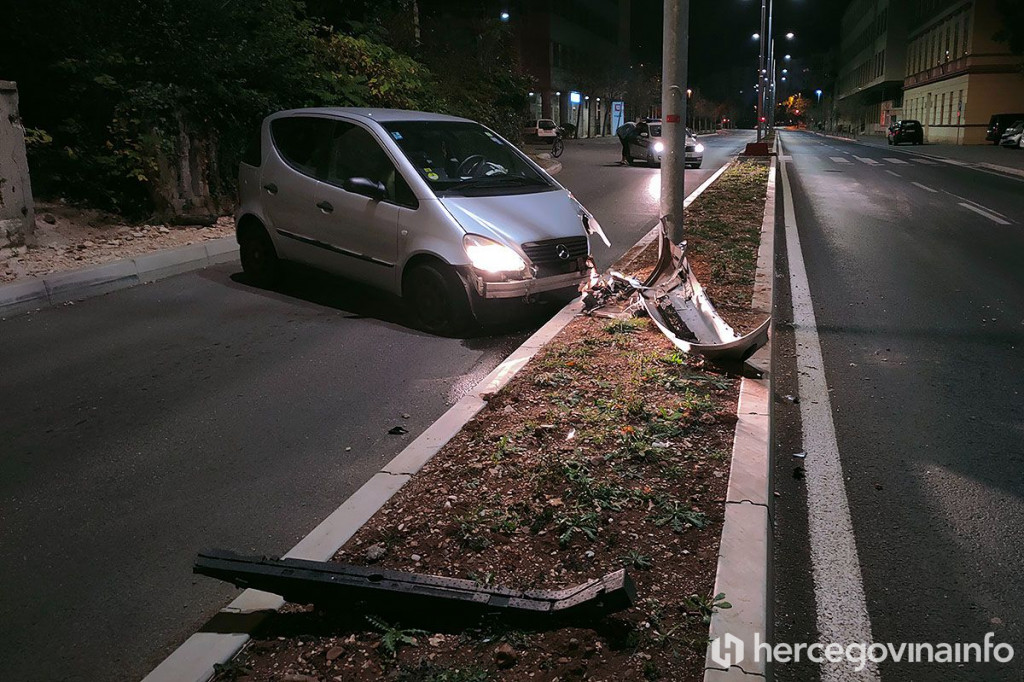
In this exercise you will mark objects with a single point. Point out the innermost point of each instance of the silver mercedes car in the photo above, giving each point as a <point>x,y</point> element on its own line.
<point>437,209</point>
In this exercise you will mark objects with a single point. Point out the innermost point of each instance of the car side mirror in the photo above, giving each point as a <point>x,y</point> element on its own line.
<point>366,188</point>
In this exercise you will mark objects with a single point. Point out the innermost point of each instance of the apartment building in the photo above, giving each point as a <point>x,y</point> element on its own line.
<point>869,88</point>
<point>575,50</point>
<point>957,75</point>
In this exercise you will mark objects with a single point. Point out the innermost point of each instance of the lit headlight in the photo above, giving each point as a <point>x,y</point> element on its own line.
<point>659,147</point>
<point>699,148</point>
<point>490,256</point>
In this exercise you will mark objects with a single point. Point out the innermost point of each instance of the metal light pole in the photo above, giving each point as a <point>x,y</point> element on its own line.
<point>673,119</point>
<point>771,75</point>
<point>760,73</point>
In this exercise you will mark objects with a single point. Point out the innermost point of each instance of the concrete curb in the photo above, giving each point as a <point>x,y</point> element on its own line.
<point>745,552</point>
<point>195,659</point>
<point>977,165</point>
<point>75,285</point>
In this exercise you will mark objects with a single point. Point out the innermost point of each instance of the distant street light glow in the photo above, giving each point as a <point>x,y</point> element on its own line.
<point>756,36</point>
<point>504,16</point>
<point>789,36</point>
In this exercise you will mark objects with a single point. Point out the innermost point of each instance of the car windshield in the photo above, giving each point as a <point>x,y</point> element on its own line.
<point>457,157</point>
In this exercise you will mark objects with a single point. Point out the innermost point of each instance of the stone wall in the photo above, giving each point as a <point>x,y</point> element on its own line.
<point>17,217</point>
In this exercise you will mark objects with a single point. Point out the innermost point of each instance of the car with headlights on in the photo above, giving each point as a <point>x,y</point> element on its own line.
<point>647,145</point>
<point>437,209</point>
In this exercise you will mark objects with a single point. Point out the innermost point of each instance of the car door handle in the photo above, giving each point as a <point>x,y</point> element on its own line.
<point>270,187</point>
<point>325,206</point>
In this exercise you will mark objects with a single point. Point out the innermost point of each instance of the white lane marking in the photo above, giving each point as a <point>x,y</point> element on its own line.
<point>928,189</point>
<point>927,162</point>
<point>896,161</point>
<point>894,173</point>
<point>990,216</point>
<point>975,203</point>
<point>870,162</point>
<point>838,586</point>
<point>839,159</point>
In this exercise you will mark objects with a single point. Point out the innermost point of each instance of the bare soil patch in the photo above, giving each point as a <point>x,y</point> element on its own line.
<point>68,238</point>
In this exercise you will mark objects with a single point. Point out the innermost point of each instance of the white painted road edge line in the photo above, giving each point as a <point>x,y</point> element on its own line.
<point>925,188</point>
<point>744,551</point>
<point>195,659</point>
<point>994,218</point>
<point>894,173</point>
<point>842,614</point>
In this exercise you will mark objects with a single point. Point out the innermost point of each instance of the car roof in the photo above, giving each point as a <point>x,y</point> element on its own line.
<point>379,115</point>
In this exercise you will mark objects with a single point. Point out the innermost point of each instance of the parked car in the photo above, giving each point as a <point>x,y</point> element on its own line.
<point>647,145</point>
<point>998,124</point>
<point>906,131</point>
<point>437,209</point>
<point>540,130</point>
<point>1013,137</point>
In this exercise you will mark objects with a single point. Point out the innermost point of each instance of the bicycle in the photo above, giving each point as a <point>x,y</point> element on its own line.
<point>557,146</point>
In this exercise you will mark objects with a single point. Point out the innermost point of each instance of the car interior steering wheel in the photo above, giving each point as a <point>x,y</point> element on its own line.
<point>470,165</point>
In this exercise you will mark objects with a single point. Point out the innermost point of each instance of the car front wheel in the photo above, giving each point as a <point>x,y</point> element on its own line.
<point>437,298</point>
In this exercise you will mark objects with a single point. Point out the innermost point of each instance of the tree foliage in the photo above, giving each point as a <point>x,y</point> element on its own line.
<point>144,105</point>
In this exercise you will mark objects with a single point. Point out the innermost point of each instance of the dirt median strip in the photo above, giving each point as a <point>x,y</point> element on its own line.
<point>607,450</point>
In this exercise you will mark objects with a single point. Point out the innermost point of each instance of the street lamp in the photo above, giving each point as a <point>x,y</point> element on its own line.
<point>818,93</point>
<point>789,36</point>
<point>756,36</point>
<point>504,16</point>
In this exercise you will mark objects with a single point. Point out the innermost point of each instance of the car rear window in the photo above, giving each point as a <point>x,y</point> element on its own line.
<point>303,142</point>
<point>546,124</point>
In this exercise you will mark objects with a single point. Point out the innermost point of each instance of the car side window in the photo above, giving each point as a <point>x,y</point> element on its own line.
<point>354,153</point>
<point>301,142</point>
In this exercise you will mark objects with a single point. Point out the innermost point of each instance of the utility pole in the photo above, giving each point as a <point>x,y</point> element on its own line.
<point>673,119</point>
<point>760,73</point>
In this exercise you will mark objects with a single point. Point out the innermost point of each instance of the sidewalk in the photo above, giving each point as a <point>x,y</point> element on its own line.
<point>988,156</point>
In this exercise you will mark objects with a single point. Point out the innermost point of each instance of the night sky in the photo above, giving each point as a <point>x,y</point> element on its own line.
<point>720,33</point>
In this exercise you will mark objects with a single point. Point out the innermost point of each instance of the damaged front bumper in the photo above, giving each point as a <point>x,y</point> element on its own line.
<point>526,288</point>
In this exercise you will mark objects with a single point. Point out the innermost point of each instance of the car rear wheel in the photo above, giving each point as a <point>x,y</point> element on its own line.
<point>437,298</point>
<point>259,257</point>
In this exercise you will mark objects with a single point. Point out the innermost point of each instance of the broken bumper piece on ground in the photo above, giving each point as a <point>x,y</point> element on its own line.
<point>676,302</point>
<point>327,583</point>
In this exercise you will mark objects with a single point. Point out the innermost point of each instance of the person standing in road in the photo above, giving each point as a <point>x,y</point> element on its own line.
<point>625,133</point>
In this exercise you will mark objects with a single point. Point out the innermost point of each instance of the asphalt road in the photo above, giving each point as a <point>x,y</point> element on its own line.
<point>915,269</point>
<point>142,426</point>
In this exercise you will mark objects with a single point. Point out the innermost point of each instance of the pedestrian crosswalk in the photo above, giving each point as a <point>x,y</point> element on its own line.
<point>868,161</point>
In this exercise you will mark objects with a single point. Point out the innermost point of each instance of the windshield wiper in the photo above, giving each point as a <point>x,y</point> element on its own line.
<point>498,181</point>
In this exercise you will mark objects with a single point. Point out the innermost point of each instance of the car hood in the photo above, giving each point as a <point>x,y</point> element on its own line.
<point>518,218</point>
